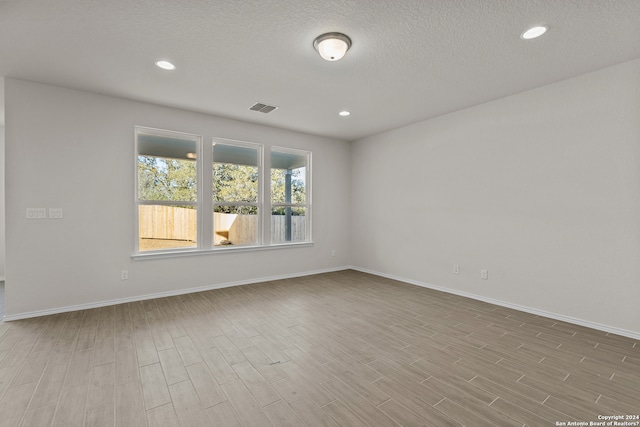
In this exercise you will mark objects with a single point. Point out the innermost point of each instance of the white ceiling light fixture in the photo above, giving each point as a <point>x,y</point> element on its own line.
<point>332,46</point>
<point>534,32</point>
<point>165,65</point>
<point>344,113</point>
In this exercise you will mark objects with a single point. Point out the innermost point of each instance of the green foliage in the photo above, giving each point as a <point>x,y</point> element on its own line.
<point>235,183</point>
<point>241,210</point>
<point>298,190</point>
<point>175,180</point>
<point>282,210</point>
<point>167,179</point>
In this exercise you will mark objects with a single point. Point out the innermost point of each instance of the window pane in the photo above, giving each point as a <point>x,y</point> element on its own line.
<point>235,173</point>
<point>235,225</point>
<point>166,227</point>
<point>289,170</point>
<point>288,185</point>
<point>166,168</point>
<point>288,224</point>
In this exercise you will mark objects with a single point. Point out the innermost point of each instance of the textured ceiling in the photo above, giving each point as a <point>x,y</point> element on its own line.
<point>410,60</point>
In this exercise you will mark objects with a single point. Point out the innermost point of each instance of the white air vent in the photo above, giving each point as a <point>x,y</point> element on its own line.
<point>263,108</point>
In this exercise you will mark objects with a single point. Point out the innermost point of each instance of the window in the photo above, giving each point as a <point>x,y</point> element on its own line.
<point>290,195</point>
<point>189,199</point>
<point>167,190</point>
<point>236,193</point>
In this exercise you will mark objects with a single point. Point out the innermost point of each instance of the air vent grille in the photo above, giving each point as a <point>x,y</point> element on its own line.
<point>263,108</point>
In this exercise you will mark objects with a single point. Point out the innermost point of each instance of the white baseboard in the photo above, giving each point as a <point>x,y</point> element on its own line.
<point>26,315</point>
<point>556,316</point>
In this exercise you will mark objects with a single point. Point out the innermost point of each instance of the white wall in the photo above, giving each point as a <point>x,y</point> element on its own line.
<point>74,150</point>
<point>542,189</point>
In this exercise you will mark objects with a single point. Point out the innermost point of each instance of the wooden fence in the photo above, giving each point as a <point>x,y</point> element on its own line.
<point>298,228</point>
<point>176,223</point>
<point>239,229</point>
<point>167,222</point>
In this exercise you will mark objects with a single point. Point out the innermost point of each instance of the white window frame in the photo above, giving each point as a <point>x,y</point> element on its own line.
<point>137,202</point>
<point>205,203</point>
<point>261,177</point>
<point>307,204</point>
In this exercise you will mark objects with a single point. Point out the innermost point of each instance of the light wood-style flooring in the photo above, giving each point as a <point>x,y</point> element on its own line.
<point>337,349</point>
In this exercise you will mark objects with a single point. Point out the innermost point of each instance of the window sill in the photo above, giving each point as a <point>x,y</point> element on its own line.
<point>220,250</point>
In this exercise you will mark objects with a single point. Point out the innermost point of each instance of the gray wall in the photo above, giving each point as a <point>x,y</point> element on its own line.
<point>542,189</point>
<point>2,228</point>
<point>74,150</point>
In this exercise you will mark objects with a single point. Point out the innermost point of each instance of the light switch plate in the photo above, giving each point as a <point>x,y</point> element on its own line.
<point>36,213</point>
<point>55,213</point>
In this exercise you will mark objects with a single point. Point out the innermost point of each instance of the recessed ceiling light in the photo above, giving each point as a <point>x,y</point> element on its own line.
<point>344,113</point>
<point>165,65</point>
<point>534,32</point>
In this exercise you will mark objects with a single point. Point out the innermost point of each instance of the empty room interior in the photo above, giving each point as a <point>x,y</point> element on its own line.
<point>340,213</point>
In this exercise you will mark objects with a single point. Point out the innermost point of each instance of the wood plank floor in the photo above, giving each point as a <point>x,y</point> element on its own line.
<point>336,349</point>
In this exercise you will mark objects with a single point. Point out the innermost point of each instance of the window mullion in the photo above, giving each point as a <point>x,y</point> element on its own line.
<point>167,202</point>
<point>266,199</point>
<point>236,204</point>
<point>205,199</point>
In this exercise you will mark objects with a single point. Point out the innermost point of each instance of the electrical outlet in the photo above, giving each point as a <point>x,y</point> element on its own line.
<point>484,274</point>
<point>333,252</point>
<point>456,269</point>
<point>124,275</point>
